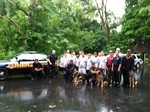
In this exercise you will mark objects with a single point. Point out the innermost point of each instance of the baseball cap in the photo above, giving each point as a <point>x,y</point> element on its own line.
<point>128,50</point>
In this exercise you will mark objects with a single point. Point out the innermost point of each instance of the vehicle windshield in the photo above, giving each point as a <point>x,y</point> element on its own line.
<point>138,56</point>
<point>29,57</point>
<point>13,60</point>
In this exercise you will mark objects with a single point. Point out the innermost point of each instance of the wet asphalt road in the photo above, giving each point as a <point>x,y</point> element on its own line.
<point>24,95</point>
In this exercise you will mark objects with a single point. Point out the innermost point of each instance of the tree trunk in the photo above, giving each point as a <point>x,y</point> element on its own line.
<point>103,16</point>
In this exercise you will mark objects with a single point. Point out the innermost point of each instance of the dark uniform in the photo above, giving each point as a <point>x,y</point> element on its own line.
<point>116,75</point>
<point>53,58</point>
<point>37,72</point>
<point>93,75</point>
<point>70,68</point>
<point>127,65</point>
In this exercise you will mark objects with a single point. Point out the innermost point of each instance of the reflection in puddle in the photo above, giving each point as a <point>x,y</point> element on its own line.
<point>61,96</point>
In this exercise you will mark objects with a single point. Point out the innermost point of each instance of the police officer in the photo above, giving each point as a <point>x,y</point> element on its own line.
<point>37,72</point>
<point>116,66</point>
<point>70,68</point>
<point>51,62</point>
<point>94,72</point>
<point>127,66</point>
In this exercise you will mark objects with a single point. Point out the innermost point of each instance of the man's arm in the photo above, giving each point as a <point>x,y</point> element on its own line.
<point>120,64</point>
<point>105,64</point>
<point>132,64</point>
<point>39,68</point>
<point>49,61</point>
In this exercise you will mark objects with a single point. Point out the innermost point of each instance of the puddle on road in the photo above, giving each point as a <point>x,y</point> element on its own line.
<point>56,95</point>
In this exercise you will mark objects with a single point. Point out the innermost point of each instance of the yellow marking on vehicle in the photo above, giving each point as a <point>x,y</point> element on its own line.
<point>21,65</point>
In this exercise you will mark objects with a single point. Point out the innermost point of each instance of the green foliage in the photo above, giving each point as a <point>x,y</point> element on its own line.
<point>136,23</point>
<point>44,25</point>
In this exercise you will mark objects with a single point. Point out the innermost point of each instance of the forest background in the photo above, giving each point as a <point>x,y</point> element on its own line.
<point>44,25</point>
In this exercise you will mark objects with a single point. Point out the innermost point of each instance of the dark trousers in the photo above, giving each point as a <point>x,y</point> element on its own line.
<point>52,71</point>
<point>120,75</point>
<point>93,79</point>
<point>87,76</point>
<point>109,72</point>
<point>69,76</point>
<point>37,75</point>
<point>125,77</point>
<point>116,76</point>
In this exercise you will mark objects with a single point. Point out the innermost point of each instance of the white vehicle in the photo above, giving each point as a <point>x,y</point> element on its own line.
<point>137,60</point>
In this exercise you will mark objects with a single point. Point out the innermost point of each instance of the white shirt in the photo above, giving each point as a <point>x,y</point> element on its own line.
<point>63,61</point>
<point>74,58</point>
<point>96,61</point>
<point>103,61</point>
<point>89,63</point>
<point>82,62</point>
<point>68,56</point>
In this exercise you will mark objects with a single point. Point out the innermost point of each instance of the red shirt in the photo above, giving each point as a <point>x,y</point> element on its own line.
<point>110,60</point>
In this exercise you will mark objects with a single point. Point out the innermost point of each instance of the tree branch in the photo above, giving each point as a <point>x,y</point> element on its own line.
<point>18,7</point>
<point>99,12</point>
<point>104,17</point>
<point>14,24</point>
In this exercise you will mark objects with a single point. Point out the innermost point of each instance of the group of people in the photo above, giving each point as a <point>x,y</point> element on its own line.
<point>93,66</point>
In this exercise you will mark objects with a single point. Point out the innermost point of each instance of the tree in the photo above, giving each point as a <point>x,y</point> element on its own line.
<point>44,25</point>
<point>136,23</point>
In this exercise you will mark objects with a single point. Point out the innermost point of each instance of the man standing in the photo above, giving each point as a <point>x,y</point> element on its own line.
<point>102,63</point>
<point>127,66</point>
<point>118,50</point>
<point>51,61</point>
<point>89,64</point>
<point>95,59</point>
<point>120,54</point>
<point>110,58</point>
<point>82,64</point>
<point>116,66</point>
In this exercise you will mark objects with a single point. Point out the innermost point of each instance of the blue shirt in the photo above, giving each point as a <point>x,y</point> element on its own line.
<point>117,61</point>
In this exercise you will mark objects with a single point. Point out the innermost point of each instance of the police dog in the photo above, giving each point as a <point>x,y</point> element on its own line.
<point>100,78</point>
<point>132,80</point>
<point>75,76</point>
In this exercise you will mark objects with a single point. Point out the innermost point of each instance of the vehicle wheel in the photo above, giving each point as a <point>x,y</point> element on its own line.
<point>138,65</point>
<point>3,73</point>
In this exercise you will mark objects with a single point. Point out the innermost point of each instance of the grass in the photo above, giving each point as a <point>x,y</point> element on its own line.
<point>19,76</point>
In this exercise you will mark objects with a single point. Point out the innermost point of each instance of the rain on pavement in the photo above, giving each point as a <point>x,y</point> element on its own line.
<point>56,95</point>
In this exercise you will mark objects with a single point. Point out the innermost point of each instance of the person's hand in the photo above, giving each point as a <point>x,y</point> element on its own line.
<point>36,69</point>
<point>106,68</point>
<point>50,63</point>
